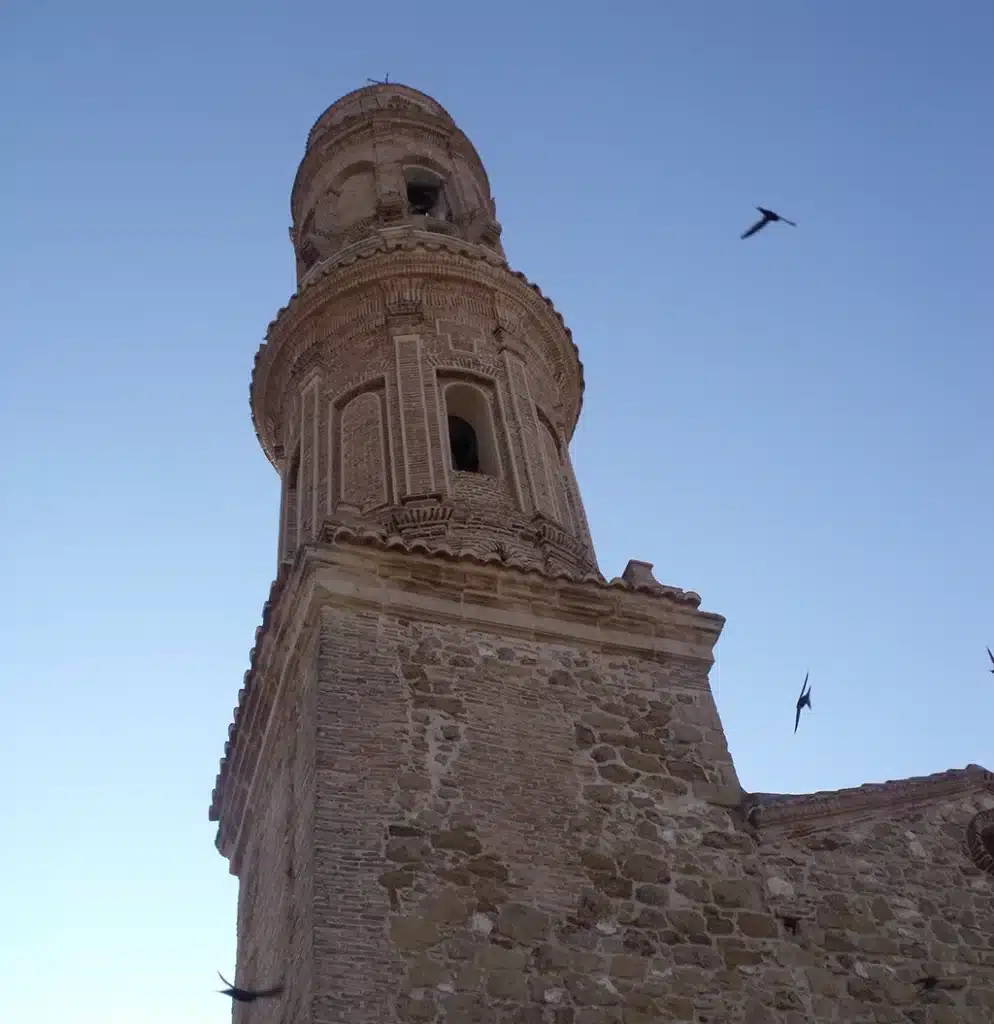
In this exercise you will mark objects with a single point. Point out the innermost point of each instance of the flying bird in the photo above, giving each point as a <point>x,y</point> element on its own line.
<point>244,995</point>
<point>768,218</point>
<point>991,656</point>
<point>804,701</point>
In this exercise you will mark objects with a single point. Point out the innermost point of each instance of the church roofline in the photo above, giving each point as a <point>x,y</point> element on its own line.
<point>814,810</point>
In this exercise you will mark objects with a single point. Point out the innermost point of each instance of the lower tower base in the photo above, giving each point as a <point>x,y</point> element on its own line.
<point>462,792</point>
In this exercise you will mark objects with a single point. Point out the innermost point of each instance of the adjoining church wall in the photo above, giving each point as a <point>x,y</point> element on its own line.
<point>877,903</point>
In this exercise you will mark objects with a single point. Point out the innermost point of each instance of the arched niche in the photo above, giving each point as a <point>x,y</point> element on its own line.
<point>353,194</point>
<point>362,454</point>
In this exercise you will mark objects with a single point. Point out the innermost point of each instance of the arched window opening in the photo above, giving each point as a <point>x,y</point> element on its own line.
<point>463,446</point>
<point>425,194</point>
<point>472,444</point>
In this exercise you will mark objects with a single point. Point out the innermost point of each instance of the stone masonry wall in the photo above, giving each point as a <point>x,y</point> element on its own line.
<point>874,905</point>
<point>514,832</point>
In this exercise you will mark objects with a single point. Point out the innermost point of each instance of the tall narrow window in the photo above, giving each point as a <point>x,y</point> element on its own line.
<point>472,444</point>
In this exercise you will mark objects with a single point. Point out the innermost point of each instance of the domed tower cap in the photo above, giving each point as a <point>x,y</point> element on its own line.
<point>371,98</point>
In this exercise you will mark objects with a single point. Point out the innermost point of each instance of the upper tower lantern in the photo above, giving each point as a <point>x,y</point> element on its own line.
<point>414,382</point>
<point>381,156</point>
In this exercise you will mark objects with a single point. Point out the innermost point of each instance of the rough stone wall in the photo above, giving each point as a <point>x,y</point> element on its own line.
<point>874,905</point>
<point>523,833</point>
<point>513,832</point>
<point>276,863</point>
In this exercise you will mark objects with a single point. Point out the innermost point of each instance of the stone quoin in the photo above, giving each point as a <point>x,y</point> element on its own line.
<point>470,780</point>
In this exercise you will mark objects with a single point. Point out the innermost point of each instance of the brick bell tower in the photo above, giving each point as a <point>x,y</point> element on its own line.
<point>408,778</point>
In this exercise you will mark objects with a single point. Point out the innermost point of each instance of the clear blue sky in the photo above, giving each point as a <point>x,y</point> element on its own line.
<point>800,427</point>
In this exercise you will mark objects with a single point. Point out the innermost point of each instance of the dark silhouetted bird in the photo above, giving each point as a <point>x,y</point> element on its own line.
<point>768,218</point>
<point>244,995</point>
<point>804,701</point>
<point>991,656</point>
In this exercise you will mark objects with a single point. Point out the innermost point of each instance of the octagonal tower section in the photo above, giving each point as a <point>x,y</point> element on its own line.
<point>415,384</point>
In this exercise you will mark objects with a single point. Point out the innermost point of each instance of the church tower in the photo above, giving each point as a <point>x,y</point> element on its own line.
<point>454,734</point>
<point>414,384</point>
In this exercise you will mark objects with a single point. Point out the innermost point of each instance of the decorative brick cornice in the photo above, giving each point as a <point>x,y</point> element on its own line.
<point>825,809</point>
<point>370,267</point>
<point>551,536</point>
<point>423,520</point>
<point>367,537</point>
<point>589,596</point>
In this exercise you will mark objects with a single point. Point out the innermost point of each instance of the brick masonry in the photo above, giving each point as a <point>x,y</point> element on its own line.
<point>469,780</point>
